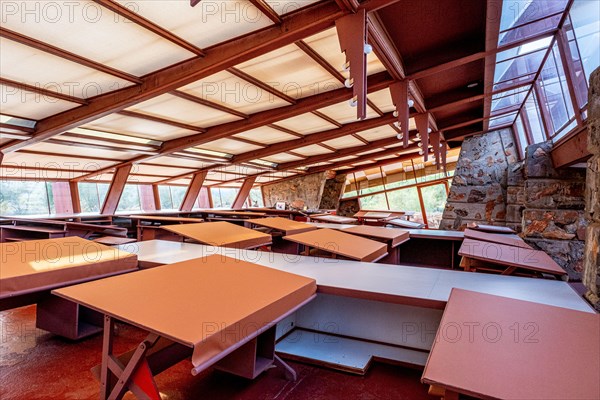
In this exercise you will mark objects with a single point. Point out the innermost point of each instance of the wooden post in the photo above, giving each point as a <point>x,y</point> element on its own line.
<point>243,193</point>
<point>115,190</point>
<point>192,191</point>
<point>156,195</point>
<point>204,200</point>
<point>75,200</point>
<point>422,121</point>
<point>399,93</point>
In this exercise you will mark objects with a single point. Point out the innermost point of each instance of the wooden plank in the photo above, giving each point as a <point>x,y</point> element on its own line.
<point>243,193</point>
<point>193,191</point>
<point>336,219</point>
<point>285,225</point>
<point>115,189</point>
<point>222,234</point>
<point>513,349</point>
<point>571,151</point>
<point>392,236</point>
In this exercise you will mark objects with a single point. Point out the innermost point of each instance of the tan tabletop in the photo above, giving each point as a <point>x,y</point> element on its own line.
<point>221,234</point>
<point>285,225</point>
<point>325,225</point>
<point>436,234</point>
<point>393,236</point>
<point>506,238</point>
<point>516,257</point>
<point>158,218</point>
<point>36,265</point>
<point>402,223</point>
<point>340,243</point>
<point>542,352</point>
<point>336,219</point>
<point>209,303</point>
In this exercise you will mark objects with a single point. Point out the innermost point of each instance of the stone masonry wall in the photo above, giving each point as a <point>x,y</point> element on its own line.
<point>332,191</point>
<point>308,188</point>
<point>591,269</point>
<point>479,186</point>
<point>553,213</point>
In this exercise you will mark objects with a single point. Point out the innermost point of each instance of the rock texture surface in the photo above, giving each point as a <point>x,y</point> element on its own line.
<point>332,191</point>
<point>591,268</point>
<point>308,188</point>
<point>480,183</point>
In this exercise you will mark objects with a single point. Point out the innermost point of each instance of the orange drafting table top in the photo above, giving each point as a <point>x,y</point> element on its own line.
<point>36,265</point>
<point>495,347</point>
<point>232,213</point>
<point>534,260</point>
<point>508,239</point>
<point>392,235</point>
<point>343,244</point>
<point>208,303</point>
<point>221,234</point>
<point>286,225</point>
<point>158,218</point>
<point>336,219</point>
<point>437,234</point>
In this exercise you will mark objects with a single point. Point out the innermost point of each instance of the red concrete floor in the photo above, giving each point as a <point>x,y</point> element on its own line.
<point>36,365</point>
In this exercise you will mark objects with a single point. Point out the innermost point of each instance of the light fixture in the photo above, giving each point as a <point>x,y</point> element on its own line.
<point>411,103</point>
<point>428,130</point>
<point>473,85</point>
<point>346,66</point>
<point>353,102</point>
<point>419,136</point>
<point>421,152</point>
<point>420,144</point>
<point>349,83</point>
<point>367,48</point>
<point>395,114</point>
<point>399,136</point>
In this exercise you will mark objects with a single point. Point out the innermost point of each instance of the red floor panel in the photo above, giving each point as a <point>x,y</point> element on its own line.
<point>37,365</point>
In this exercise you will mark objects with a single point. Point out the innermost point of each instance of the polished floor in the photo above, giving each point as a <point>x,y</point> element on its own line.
<point>37,365</point>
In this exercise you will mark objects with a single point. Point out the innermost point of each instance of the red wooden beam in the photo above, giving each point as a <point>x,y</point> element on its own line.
<point>266,9</point>
<point>243,193</point>
<point>193,191</point>
<point>41,91</point>
<point>115,190</point>
<point>75,199</point>
<point>571,151</point>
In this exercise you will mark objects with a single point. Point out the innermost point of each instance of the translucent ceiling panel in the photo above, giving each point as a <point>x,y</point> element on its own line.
<point>288,6</point>
<point>206,24</point>
<point>381,132</point>
<point>37,68</point>
<point>137,126</point>
<point>327,44</point>
<point>178,162</point>
<point>266,135</point>
<point>69,151</point>
<point>344,142</point>
<point>229,146</point>
<point>9,119</point>
<point>159,170</point>
<point>66,162</point>
<point>92,31</point>
<point>312,150</point>
<point>282,158</point>
<point>383,100</point>
<point>345,113</point>
<point>306,124</point>
<point>343,158</point>
<point>188,112</point>
<point>229,90</point>
<point>292,72</point>
<point>30,105</point>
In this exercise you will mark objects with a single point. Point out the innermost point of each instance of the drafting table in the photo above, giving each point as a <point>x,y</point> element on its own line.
<point>216,310</point>
<point>278,228</point>
<point>378,218</point>
<point>233,216</point>
<point>341,244</point>
<point>148,226</point>
<point>502,238</point>
<point>514,349</point>
<point>492,228</point>
<point>402,223</point>
<point>334,219</point>
<point>222,234</point>
<point>391,311</point>
<point>390,236</point>
<point>87,217</point>
<point>507,260</point>
<point>432,248</point>
<point>30,269</point>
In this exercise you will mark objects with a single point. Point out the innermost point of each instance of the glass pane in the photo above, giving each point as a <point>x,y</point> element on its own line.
<point>23,198</point>
<point>375,202</point>
<point>406,200</point>
<point>516,67</point>
<point>223,197</point>
<point>502,120</point>
<point>585,15</point>
<point>554,88</point>
<point>164,193</point>
<point>434,200</point>
<point>255,198</point>
<point>50,194</point>
<point>579,78</point>
<point>510,100</point>
<point>177,194</point>
<point>521,136</point>
<point>524,18</point>
<point>88,196</point>
<point>130,199</point>
<point>533,117</point>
